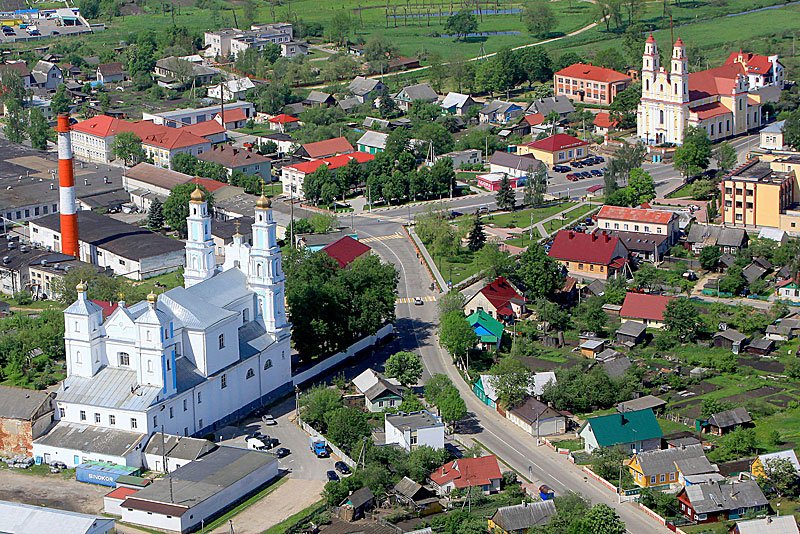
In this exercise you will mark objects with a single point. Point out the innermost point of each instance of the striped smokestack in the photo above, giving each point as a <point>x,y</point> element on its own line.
<point>66,188</point>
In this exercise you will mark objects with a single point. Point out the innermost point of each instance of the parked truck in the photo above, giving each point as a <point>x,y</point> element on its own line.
<point>318,447</point>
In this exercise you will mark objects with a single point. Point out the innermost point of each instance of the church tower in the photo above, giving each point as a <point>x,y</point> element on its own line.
<point>679,72</point>
<point>200,262</point>
<point>83,336</point>
<point>650,66</point>
<point>265,274</point>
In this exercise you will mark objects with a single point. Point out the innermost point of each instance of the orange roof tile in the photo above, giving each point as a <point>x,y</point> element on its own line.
<point>557,142</point>
<point>603,120</point>
<point>635,214</point>
<point>466,472</point>
<point>333,162</point>
<point>706,111</point>
<point>591,72</point>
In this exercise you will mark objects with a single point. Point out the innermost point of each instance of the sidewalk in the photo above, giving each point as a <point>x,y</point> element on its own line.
<point>427,257</point>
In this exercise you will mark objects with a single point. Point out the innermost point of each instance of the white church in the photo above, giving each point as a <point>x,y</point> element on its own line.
<point>186,362</point>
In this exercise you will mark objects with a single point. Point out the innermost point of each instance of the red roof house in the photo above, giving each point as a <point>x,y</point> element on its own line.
<point>597,255</point>
<point>345,250</point>
<point>644,308</point>
<point>603,122</point>
<point>499,299</point>
<point>334,162</point>
<point>589,83</point>
<point>555,149</point>
<point>283,118</point>
<point>533,119</point>
<point>234,118</point>
<point>329,147</point>
<point>483,473</point>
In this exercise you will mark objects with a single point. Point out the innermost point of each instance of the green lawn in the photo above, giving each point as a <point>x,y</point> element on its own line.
<point>523,218</point>
<point>571,444</point>
<point>571,216</point>
<point>458,268</point>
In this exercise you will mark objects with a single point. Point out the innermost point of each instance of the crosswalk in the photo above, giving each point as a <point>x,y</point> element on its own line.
<point>382,238</point>
<point>410,300</point>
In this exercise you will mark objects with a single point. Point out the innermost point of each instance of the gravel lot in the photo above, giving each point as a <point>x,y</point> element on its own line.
<point>51,490</point>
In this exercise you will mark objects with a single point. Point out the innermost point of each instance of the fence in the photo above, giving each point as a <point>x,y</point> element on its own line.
<point>336,359</point>
<point>690,263</point>
<point>600,479</point>
<point>677,418</point>
<point>334,449</point>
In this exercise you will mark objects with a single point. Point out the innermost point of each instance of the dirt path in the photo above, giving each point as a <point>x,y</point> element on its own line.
<point>52,491</point>
<point>293,496</point>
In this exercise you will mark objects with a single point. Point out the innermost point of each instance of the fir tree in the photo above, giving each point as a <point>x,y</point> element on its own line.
<point>505,196</point>
<point>477,237</point>
<point>155,215</point>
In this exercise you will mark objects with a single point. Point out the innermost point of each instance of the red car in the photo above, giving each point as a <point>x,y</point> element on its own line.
<point>572,178</point>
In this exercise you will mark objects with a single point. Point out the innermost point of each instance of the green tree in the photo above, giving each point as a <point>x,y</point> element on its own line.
<point>60,103</point>
<point>176,207</point>
<point>709,257</point>
<point>476,238</point>
<point>590,315</point>
<point>782,475</point>
<point>436,387</point>
<point>551,315</point>
<point>405,366</point>
<point>726,157</point>
<point>623,108</point>
<point>540,274</point>
<point>693,156</point>
<point>423,460</point>
<point>316,403</point>
<point>712,406</point>
<point>602,519</point>
<point>435,133</point>
<point>505,198</point>
<point>155,215</point>
<point>681,317</point>
<point>512,380</point>
<point>495,262</point>
<point>456,335</point>
<point>452,407</point>
<point>340,27</point>
<point>127,146</point>
<point>451,301</point>
<point>461,24</point>
<point>641,185</point>
<point>791,129</point>
<point>738,444</point>
<point>100,286</point>
<point>15,129</point>
<point>535,186</point>
<point>539,18</point>
<point>606,462</point>
<point>38,129</point>
<point>347,427</point>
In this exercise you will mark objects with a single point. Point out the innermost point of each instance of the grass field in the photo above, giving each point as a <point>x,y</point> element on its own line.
<point>523,218</point>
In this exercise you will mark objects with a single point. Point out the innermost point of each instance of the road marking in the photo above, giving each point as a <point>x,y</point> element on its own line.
<point>410,300</point>
<point>382,238</point>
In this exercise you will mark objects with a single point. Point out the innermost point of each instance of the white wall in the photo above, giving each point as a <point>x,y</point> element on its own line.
<point>433,437</point>
<point>133,459</point>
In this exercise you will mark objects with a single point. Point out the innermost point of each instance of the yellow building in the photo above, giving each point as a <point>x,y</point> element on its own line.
<point>668,466</point>
<point>556,149</point>
<point>761,463</point>
<point>762,194</point>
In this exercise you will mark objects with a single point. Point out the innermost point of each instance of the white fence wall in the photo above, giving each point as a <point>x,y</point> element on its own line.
<point>334,449</point>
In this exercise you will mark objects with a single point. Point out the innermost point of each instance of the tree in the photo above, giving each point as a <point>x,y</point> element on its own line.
<point>404,366</point>
<point>100,286</point>
<point>623,108</point>
<point>693,156</point>
<point>536,186</point>
<point>38,129</point>
<point>512,380</point>
<point>452,407</point>
<point>495,262</point>
<point>155,215</point>
<point>456,335</point>
<point>435,133</point>
<point>316,403</point>
<point>176,207</point>
<point>606,461</point>
<point>539,18</point>
<point>709,257</point>
<point>551,315</point>
<point>436,387</point>
<point>737,444</point>
<point>540,274</point>
<point>642,187</point>
<point>127,146</point>
<point>451,301</point>
<point>536,65</point>
<point>461,24</point>
<point>347,427</point>
<point>590,315</point>
<point>602,519</point>
<point>791,129</point>
<point>781,473</point>
<point>60,103</point>
<point>476,237</point>
<point>340,27</point>
<point>14,129</point>
<point>505,197</point>
<point>726,157</point>
<point>682,318</point>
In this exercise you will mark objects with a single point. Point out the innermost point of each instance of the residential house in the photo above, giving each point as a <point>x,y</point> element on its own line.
<point>499,299</point>
<point>639,221</point>
<point>589,256</point>
<point>520,518</point>
<point>237,159</point>
<point>762,71</point>
<point>485,391</point>
<point>412,93</point>
<point>642,403</point>
<point>457,104</point>
<point>603,123</point>
<point>499,112</point>
<point>482,473</point>
<point>21,69</point>
<point>784,329</point>
<point>293,175</point>
<point>366,90</point>
<point>110,73</point>
<point>232,119</point>
<point>761,346</point>
<point>346,250</point>
<point>316,242</point>
<point>647,309</point>
<point>230,42</point>
<point>589,83</point>
<point>25,415</point>
<point>379,392</point>
<point>283,123</point>
<point>657,467</point>
<point>756,269</point>
<point>175,73</point>
<point>46,75</point>
<point>235,89</point>
<point>730,339</point>
<point>761,463</point>
<point>782,524</point>
<point>788,289</point>
<point>413,430</point>
<point>357,504</point>
<point>463,158</point>
<point>634,431</point>
<point>326,148</point>
<point>714,501</point>
<point>516,165</point>
<point>613,363</point>
<point>726,421</point>
<point>488,329</point>
<point>416,497</point>
<point>560,104</point>
<point>772,137</point>
<point>729,240</point>
<point>631,333</point>
<point>556,149</point>
<point>319,99</point>
<point>537,418</point>
<point>372,142</point>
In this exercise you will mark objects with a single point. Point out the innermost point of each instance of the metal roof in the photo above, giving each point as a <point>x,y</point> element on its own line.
<point>413,421</point>
<point>18,403</point>
<point>523,516</point>
<point>180,447</point>
<point>715,497</point>
<point>112,387</point>
<point>28,519</point>
<point>192,310</point>
<point>86,438</point>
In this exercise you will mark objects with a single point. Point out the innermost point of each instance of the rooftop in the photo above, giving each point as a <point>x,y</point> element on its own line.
<point>87,438</point>
<point>328,147</point>
<point>333,162</point>
<point>157,176</point>
<point>663,461</point>
<point>466,472</point>
<point>616,428</point>
<point>520,517</point>
<point>233,158</point>
<point>644,306</point>
<point>533,410</point>
<point>596,248</point>
<point>180,447</point>
<point>715,497</point>
<point>783,524</point>
<point>345,250</point>
<point>557,142</point>
<point>19,403</point>
<point>755,170</point>
<point>414,420</point>
<point>642,403</point>
<point>729,418</point>
<point>639,215</point>
<point>592,72</point>
<point>17,518</point>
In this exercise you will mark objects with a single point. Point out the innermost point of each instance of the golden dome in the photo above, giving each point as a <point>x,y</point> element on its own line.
<point>197,195</point>
<point>152,297</point>
<point>263,202</point>
<point>81,287</point>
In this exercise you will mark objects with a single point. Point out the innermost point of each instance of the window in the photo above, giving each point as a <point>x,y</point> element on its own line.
<point>112,419</point>
<point>200,423</point>
<point>122,262</point>
<point>149,366</point>
<point>250,374</point>
<point>124,358</point>
<point>221,341</point>
<point>155,421</point>
<point>267,364</point>
<point>671,477</point>
<point>77,356</point>
<point>171,412</point>
<point>184,405</point>
<point>168,364</point>
<point>662,478</point>
<point>133,422</point>
<point>97,418</point>
<point>223,381</point>
<point>199,398</point>
<point>653,479</point>
<point>83,415</point>
<point>61,413</point>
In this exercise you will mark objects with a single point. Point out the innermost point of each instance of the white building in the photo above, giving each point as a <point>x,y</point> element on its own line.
<point>232,41</point>
<point>232,89</point>
<point>772,137</point>
<point>189,116</point>
<point>189,360</point>
<point>17,518</point>
<point>416,429</point>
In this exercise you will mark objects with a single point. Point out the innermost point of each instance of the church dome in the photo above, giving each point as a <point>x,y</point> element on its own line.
<point>263,202</point>
<point>197,195</point>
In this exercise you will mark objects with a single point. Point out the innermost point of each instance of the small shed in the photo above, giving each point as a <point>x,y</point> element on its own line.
<point>592,347</point>
<point>730,339</point>
<point>727,421</point>
<point>357,504</point>
<point>612,309</point>
<point>642,403</point>
<point>761,346</point>
<point>631,333</point>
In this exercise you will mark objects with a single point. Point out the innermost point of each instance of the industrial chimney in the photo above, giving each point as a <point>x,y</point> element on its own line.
<point>66,188</point>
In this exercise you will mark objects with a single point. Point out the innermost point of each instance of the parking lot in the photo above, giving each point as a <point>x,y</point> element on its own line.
<point>43,28</point>
<point>592,167</point>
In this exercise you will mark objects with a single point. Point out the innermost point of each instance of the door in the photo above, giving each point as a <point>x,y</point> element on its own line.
<point>76,460</point>
<point>47,457</point>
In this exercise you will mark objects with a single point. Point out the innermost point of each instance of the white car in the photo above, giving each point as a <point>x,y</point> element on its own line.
<point>417,301</point>
<point>268,420</point>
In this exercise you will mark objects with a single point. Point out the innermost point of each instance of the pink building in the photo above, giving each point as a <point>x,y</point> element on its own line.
<point>491,181</point>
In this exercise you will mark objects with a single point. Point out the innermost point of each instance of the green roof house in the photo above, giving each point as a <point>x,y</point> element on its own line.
<point>635,431</point>
<point>488,329</point>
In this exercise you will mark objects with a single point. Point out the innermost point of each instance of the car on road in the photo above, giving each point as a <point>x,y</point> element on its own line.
<point>332,476</point>
<point>342,467</point>
<point>268,420</point>
<point>483,209</point>
<point>418,301</point>
<point>282,452</point>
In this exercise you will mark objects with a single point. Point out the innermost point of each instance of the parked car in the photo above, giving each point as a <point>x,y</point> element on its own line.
<point>268,420</point>
<point>342,467</point>
<point>600,159</point>
<point>588,221</point>
<point>418,301</point>
<point>562,168</point>
<point>577,165</point>
<point>332,476</point>
<point>572,178</point>
<point>282,452</point>
<point>596,172</point>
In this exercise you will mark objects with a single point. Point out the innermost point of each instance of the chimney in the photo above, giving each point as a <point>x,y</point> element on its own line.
<point>68,217</point>
<point>571,234</point>
<point>594,237</point>
<point>608,238</point>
